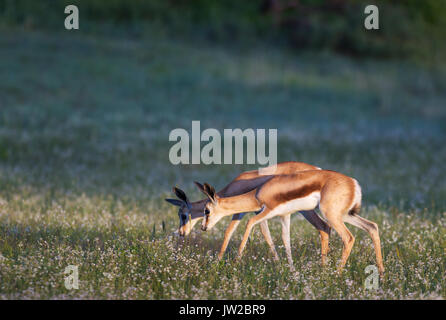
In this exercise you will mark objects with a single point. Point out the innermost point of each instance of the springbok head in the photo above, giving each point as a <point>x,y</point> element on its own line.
<point>211,208</point>
<point>184,210</point>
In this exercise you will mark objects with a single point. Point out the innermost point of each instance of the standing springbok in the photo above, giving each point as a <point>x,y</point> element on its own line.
<point>191,212</point>
<point>338,197</point>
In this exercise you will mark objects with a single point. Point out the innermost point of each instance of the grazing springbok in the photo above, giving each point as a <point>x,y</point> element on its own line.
<point>338,197</point>
<point>191,212</point>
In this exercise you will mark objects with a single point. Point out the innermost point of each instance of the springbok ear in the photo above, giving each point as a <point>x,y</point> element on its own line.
<point>180,194</point>
<point>175,202</point>
<point>214,194</point>
<point>210,191</point>
<point>199,186</point>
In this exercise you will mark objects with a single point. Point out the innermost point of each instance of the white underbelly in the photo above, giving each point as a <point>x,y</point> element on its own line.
<point>309,202</point>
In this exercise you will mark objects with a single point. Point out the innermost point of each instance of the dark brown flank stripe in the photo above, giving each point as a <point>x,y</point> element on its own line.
<point>297,193</point>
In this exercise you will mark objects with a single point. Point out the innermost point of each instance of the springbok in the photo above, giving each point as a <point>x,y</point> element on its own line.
<point>191,212</point>
<point>338,197</point>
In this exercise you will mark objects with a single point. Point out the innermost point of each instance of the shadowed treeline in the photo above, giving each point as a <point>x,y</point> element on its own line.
<point>407,28</point>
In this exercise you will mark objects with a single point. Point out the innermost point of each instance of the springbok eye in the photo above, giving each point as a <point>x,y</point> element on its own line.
<point>206,211</point>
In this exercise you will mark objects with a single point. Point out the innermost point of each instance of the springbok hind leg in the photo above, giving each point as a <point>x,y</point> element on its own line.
<point>324,231</point>
<point>372,229</point>
<point>347,238</point>
<point>325,237</point>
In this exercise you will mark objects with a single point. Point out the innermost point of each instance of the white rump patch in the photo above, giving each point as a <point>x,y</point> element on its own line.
<point>358,194</point>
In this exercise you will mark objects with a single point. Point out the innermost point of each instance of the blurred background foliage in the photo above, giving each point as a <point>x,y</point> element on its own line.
<point>85,118</point>
<point>410,28</point>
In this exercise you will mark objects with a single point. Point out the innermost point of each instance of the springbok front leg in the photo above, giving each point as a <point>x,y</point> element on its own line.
<point>285,220</point>
<point>234,224</point>
<point>267,235</point>
<point>229,232</point>
<point>261,218</point>
<point>251,223</point>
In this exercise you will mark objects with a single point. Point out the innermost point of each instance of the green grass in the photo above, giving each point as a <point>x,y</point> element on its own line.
<point>84,169</point>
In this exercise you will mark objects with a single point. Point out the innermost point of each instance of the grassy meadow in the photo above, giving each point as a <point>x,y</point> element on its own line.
<point>84,167</point>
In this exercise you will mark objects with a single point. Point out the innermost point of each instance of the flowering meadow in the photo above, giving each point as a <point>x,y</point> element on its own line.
<point>84,168</point>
